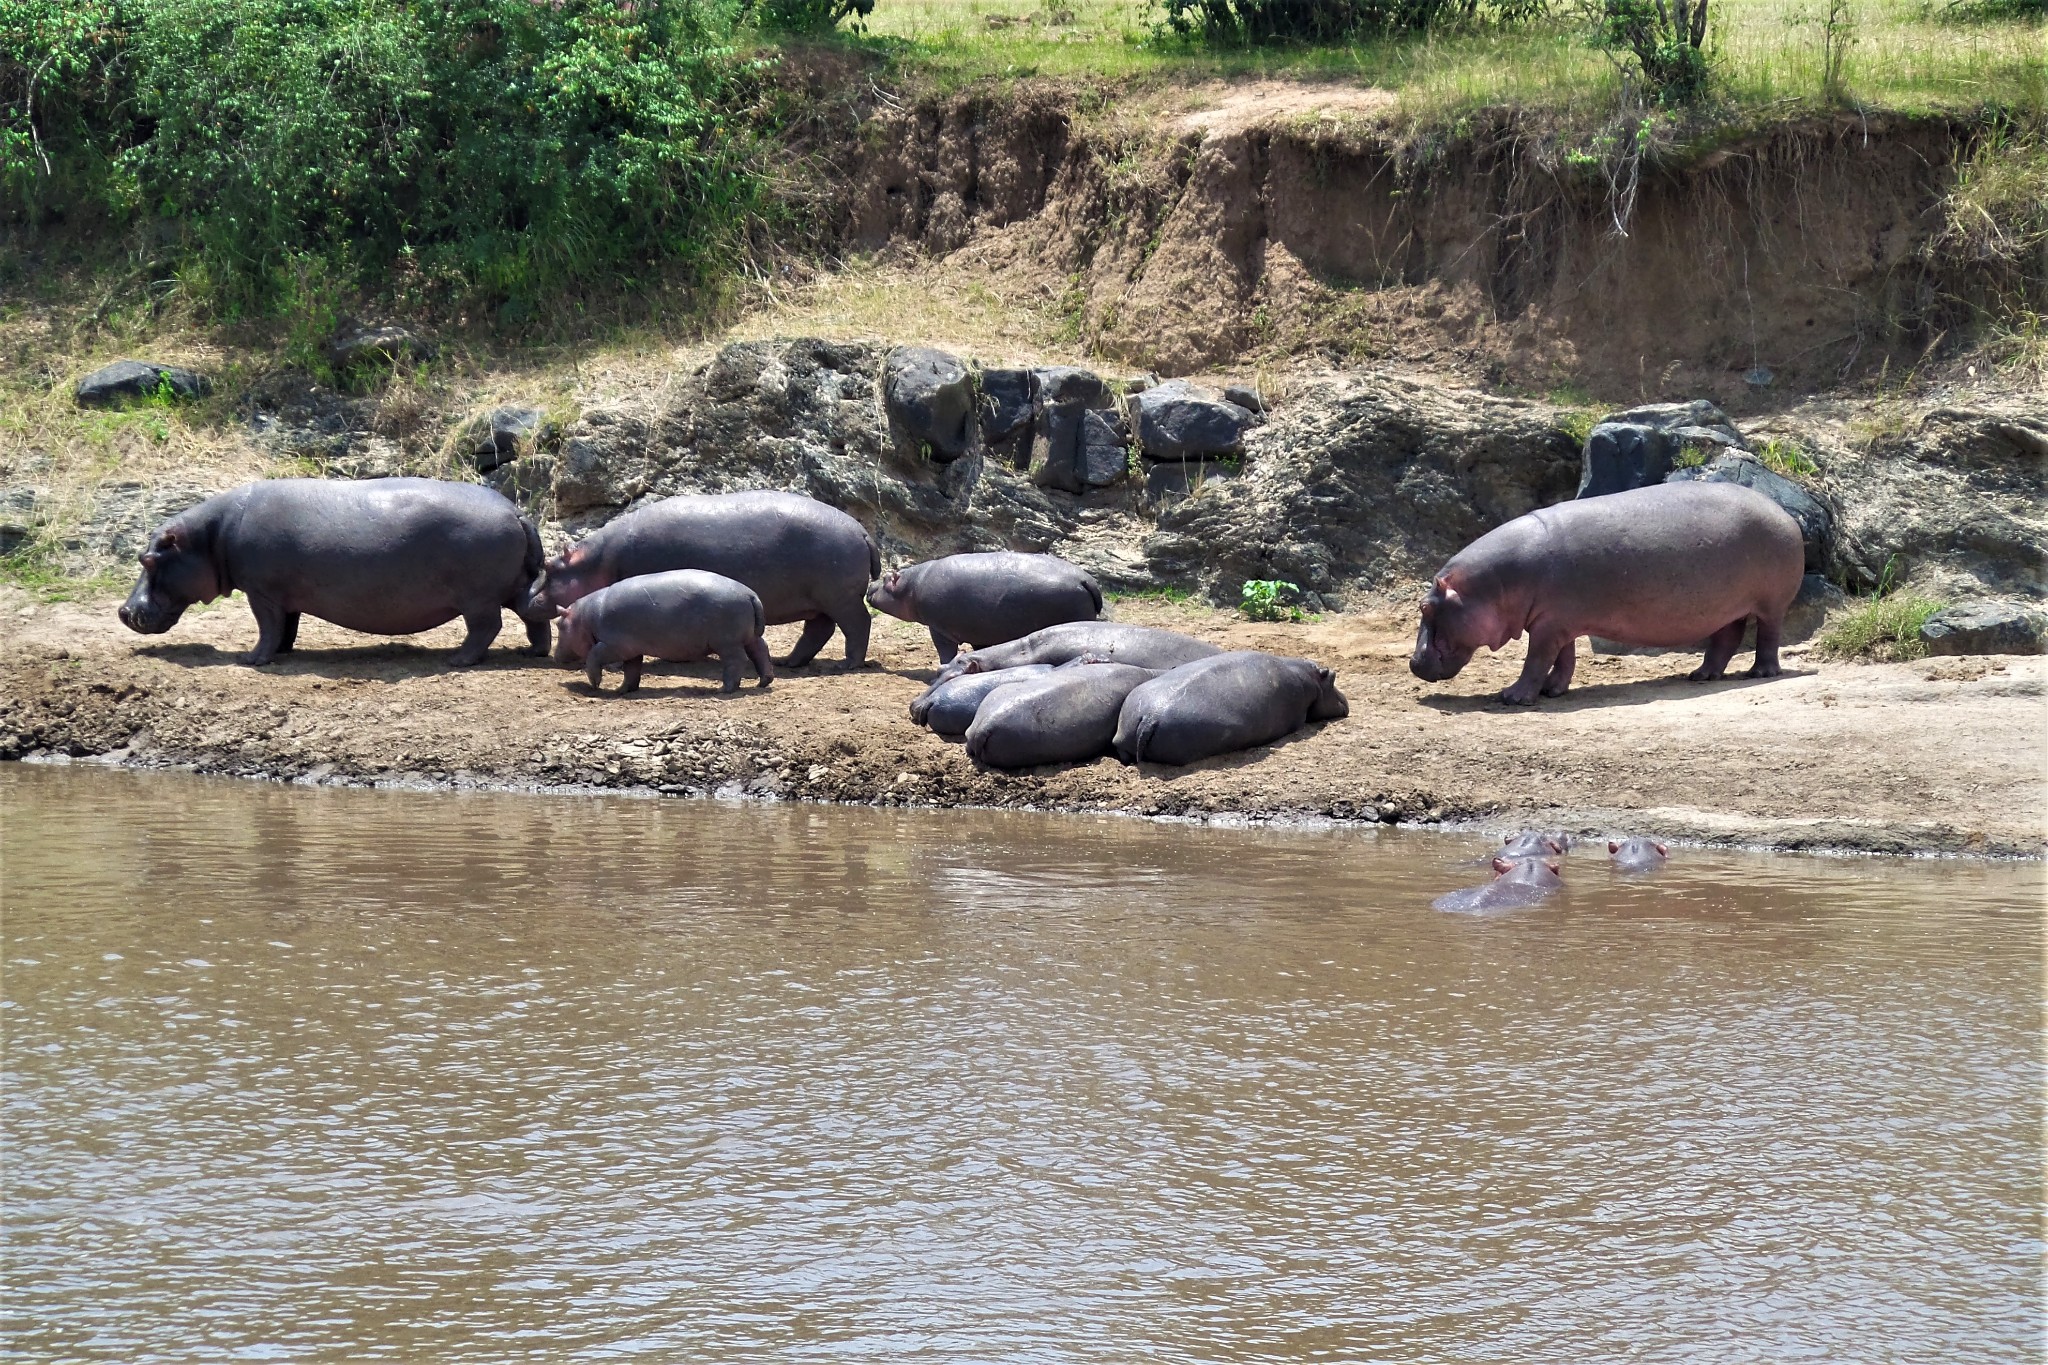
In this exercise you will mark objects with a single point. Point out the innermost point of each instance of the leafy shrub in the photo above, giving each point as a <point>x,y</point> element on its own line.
<point>485,148</point>
<point>1264,599</point>
<point>1885,626</point>
<point>1263,21</point>
<point>1667,39</point>
<point>809,16</point>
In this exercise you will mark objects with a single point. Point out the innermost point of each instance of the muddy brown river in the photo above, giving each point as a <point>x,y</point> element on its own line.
<point>305,1074</point>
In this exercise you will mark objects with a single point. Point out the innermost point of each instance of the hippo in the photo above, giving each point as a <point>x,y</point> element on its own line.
<point>1531,843</point>
<point>1140,646</point>
<point>1224,703</point>
<point>683,614</point>
<point>949,708</point>
<point>807,561</point>
<point>1669,565</point>
<point>382,556</point>
<point>1517,883</point>
<point>1067,716</point>
<point>986,599</point>
<point>1637,855</point>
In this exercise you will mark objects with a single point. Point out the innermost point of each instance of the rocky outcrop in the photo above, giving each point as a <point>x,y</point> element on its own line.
<point>930,399</point>
<point>1642,446</point>
<point>131,380</point>
<point>1986,628</point>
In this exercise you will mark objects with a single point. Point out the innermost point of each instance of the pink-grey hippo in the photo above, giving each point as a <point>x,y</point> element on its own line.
<point>681,615</point>
<point>1637,855</point>
<point>1067,716</point>
<point>1670,565</point>
<point>1140,646</point>
<point>986,598</point>
<point>1224,703</point>
<point>807,561</point>
<point>1517,883</point>
<point>382,556</point>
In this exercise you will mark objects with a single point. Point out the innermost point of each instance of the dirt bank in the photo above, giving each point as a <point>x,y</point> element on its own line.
<point>1944,755</point>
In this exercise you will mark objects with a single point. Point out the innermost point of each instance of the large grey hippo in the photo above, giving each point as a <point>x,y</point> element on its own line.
<point>681,615</point>
<point>383,556</point>
<point>1222,704</point>
<point>986,599</point>
<point>949,708</point>
<point>807,561</point>
<point>1067,716</point>
<point>1671,565</point>
<point>1110,641</point>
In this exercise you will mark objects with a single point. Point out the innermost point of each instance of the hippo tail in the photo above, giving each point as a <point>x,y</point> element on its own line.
<point>760,616</point>
<point>1094,591</point>
<point>874,558</point>
<point>530,570</point>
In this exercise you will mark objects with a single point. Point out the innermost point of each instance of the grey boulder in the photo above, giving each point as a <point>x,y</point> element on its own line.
<point>1005,405</point>
<point>1062,400</point>
<point>1104,458</point>
<point>930,398</point>
<point>1986,628</point>
<point>504,435</point>
<point>131,379</point>
<point>1639,447</point>
<point>1181,421</point>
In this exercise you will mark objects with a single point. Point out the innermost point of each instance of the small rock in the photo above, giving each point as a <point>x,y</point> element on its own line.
<point>1986,628</point>
<point>1064,384</point>
<point>504,434</point>
<point>356,346</point>
<point>1105,452</point>
<point>132,379</point>
<point>1167,480</point>
<point>930,397</point>
<point>1245,397</point>
<point>1005,404</point>
<point>1179,421</point>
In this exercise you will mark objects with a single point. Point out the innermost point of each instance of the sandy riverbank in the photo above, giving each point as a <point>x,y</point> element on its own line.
<point>1936,756</point>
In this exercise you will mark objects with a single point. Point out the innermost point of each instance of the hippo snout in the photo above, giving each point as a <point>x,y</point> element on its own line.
<point>1426,666</point>
<point>147,618</point>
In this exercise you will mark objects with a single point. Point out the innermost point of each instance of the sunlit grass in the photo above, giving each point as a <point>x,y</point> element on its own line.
<point>1903,55</point>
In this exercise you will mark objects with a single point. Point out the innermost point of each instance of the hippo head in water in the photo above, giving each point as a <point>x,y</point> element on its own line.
<point>572,576</point>
<point>177,570</point>
<point>1454,626</point>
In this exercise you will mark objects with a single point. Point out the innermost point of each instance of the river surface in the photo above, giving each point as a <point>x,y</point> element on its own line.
<point>300,1074</point>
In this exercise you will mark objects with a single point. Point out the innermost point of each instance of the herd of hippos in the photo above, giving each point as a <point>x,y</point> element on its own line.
<point>1043,681</point>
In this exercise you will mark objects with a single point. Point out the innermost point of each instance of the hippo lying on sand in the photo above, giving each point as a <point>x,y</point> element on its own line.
<point>1067,716</point>
<point>681,615</point>
<point>1637,855</point>
<point>383,556</point>
<point>1518,882</point>
<point>1224,703</point>
<point>949,708</point>
<point>1139,646</point>
<point>986,599</point>
<point>1669,565</point>
<point>806,561</point>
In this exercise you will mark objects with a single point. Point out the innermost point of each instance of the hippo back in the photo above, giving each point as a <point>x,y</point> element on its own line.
<point>1067,716</point>
<point>803,557</point>
<point>1216,706</point>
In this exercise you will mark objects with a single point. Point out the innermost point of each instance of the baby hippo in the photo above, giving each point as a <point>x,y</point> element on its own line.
<point>1637,855</point>
<point>680,615</point>
<point>1531,843</point>
<point>1517,882</point>
<point>1111,641</point>
<point>1224,703</point>
<point>986,599</point>
<point>949,708</point>
<point>1067,716</point>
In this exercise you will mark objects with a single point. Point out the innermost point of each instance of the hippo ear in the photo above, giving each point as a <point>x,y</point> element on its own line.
<point>1613,846</point>
<point>1661,850</point>
<point>895,580</point>
<point>1449,593</point>
<point>1500,865</point>
<point>1555,869</point>
<point>150,559</point>
<point>171,538</point>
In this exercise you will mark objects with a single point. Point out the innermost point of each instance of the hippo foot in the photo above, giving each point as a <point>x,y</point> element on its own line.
<point>1518,695</point>
<point>1706,675</point>
<point>764,684</point>
<point>1764,671</point>
<point>465,660</point>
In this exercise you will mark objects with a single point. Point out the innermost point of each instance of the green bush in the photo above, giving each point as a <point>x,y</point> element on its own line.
<point>808,16</point>
<point>488,149</point>
<point>1264,599</point>
<point>1322,21</point>
<point>1667,39</point>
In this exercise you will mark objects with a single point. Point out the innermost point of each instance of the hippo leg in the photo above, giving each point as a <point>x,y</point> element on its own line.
<point>483,628</point>
<point>1560,677</point>
<point>947,647</point>
<point>764,667</point>
<point>730,657</point>
<point>271,619</point>
<point>290,636</point>
<point>1767,636</point>
<point>855,623</point>
<point>1544,647</point>
<point>593,663</point>
<point>631,668</point>
<point>817,630</point>
<point>1721,647</point>
<point>536,639</point>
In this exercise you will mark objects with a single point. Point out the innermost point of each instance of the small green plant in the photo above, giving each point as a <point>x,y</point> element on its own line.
<point>1265,599</point>
<point>809,16</point>
<point>1787,458</point>
<point>1885,627</point>
<point>1579,425</point>
<point>1693,456</point>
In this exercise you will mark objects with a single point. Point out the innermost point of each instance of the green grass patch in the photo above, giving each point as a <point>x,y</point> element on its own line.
<point>1786,457</point>
<point>1883,629</point>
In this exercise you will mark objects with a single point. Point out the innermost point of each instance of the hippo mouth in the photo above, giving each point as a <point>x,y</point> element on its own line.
<point>145,621</point>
